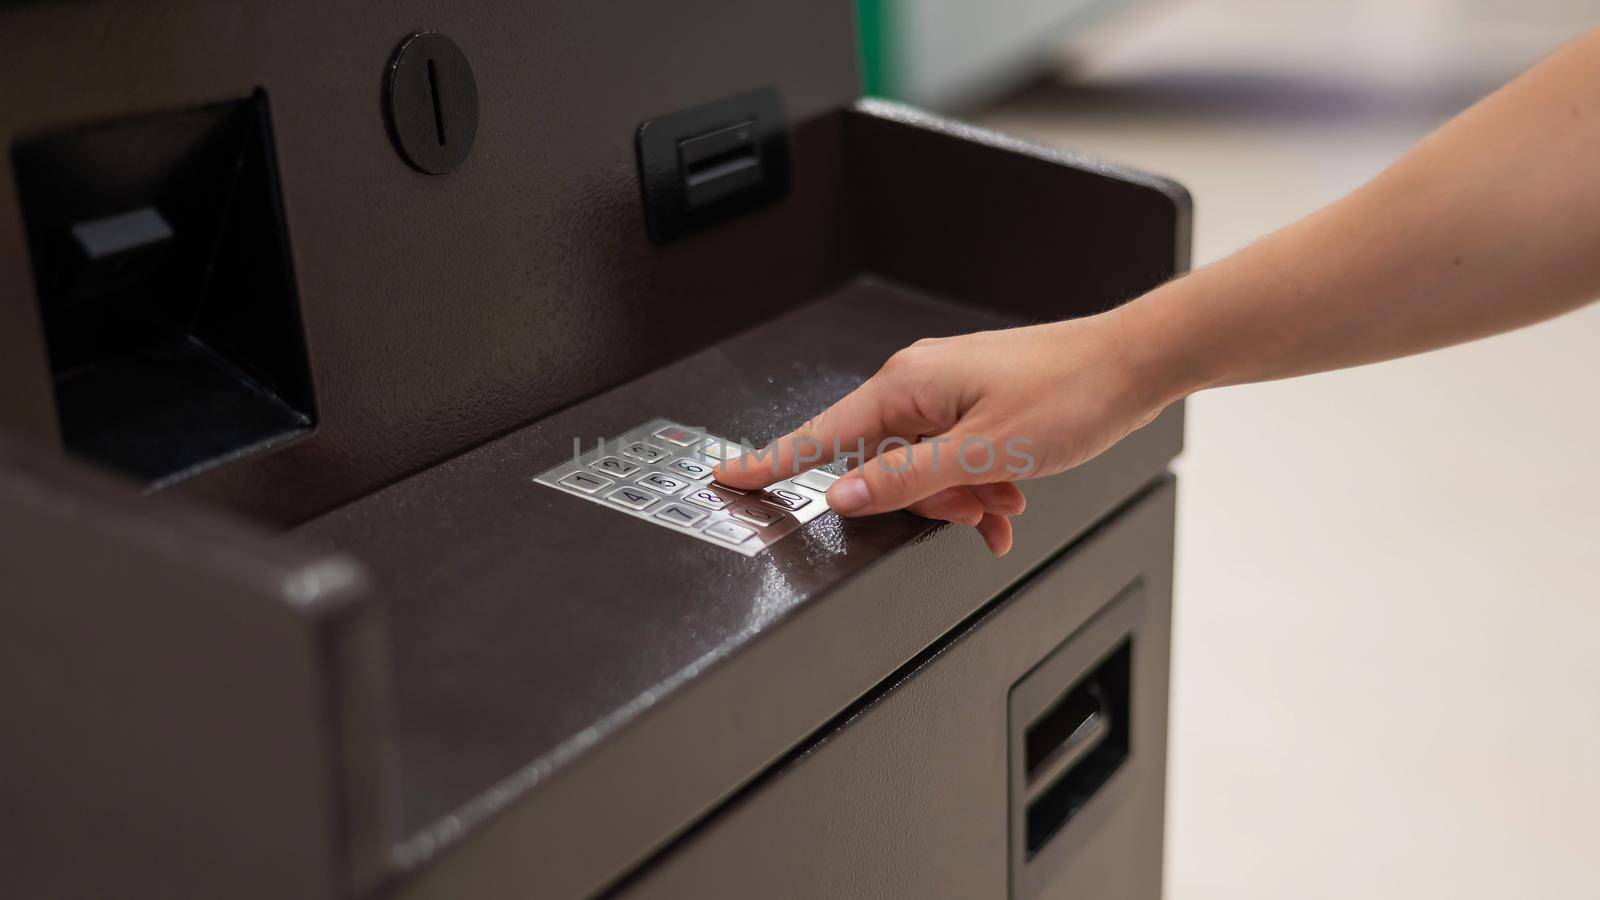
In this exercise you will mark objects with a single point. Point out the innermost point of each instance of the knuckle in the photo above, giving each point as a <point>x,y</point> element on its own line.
<point>903,360</point>
<point>896,475</point>
<point>810,429</point>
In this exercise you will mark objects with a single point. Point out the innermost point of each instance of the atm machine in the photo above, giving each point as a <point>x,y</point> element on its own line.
<point>315,581</point>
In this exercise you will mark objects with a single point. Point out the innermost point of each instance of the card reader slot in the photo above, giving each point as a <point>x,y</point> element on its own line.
<point>720,163</point>
<point>703,165</point>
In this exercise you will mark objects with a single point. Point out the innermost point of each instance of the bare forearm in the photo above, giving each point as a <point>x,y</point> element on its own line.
<point>1491,223</point>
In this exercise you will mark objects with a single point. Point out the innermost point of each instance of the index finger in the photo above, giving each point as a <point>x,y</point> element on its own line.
<point>845,428</point>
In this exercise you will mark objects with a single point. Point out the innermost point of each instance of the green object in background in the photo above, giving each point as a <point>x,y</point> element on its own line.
<point>874,34</point>
<point>955,55</point>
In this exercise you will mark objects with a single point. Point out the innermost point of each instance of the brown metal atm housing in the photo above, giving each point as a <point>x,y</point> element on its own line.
<point>282,613</point>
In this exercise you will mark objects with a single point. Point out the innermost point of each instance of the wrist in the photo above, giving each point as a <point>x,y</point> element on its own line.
<point>1157,365</point>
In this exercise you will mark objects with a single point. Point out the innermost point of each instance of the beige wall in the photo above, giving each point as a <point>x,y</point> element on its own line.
<point>1387,637</point>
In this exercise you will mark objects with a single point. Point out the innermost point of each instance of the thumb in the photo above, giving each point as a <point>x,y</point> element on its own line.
<point>906,474</point>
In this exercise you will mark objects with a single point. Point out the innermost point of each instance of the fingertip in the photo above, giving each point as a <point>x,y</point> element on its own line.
<point>1003,498</point>
<point>732,475</point>
<point>745,471</point>
<point>1006,509</point>
<point>957,505</point>
<point>849,495</point>
<point>907,475</point>
<point>996,532</point>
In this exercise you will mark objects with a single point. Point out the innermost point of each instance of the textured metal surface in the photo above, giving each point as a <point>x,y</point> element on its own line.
<point>973,214</point>
<point>561,712</point>
<point>494,583</point>
<point>733,520</point>
<point>555,722</point>
<point>194,709</point>
<point>443,311</point>
<point>908,796</point>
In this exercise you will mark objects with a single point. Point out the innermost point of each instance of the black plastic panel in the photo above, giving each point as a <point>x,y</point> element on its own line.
<point>710,163</point>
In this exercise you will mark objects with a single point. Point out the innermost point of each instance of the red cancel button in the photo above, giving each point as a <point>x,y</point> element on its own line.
<point>683,437</point>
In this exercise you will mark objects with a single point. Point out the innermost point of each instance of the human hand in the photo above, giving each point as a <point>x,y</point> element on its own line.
<point>948,424</point>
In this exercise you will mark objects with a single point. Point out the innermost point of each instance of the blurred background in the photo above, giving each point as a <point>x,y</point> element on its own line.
<point>1387,653</point>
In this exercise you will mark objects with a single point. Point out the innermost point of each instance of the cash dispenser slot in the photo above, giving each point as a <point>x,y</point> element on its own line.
<point>1075,747</point>
<point>1071,735</point>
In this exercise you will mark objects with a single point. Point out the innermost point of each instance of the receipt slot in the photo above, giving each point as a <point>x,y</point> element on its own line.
<point>358,531</point>
<point>702,165</point>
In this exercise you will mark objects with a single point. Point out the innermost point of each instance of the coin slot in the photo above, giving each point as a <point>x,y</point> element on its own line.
<point>431,102</point>
<point>438,104</point>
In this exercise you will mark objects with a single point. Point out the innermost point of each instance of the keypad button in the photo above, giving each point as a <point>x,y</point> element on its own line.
<point>719,449</point>
<point>732,490</point>
<point>583,481</point>
<point>758,515</point>
<point>678,514</point>
<point>705,497</point>
<point>632,498</point>
<point>816,479</point>
<point>645,452</point>
<point>790,500</point>
<point>614,466</point>
<point>661,481</point>
<point>731,532</point>
<point>683,437</point>
<point>696,470</point>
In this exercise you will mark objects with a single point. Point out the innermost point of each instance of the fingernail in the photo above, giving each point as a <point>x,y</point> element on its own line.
<point>849,495</point>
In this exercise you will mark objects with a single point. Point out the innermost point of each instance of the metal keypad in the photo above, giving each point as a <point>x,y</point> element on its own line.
<point>678,514</point>
<point>660,472</point>
<point>586,483</point>
<point>632,498</point>
<point>816,479</point>
<point>666,484</point>
<point>694,468</point>
<point>757,515</point>
<point>719,449</point>
<point>732,532</point>
<point>644,453</point>
<point>614,466</point>
<point>788,499</point>
<point>707,498</point>
<point>672,434</point>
